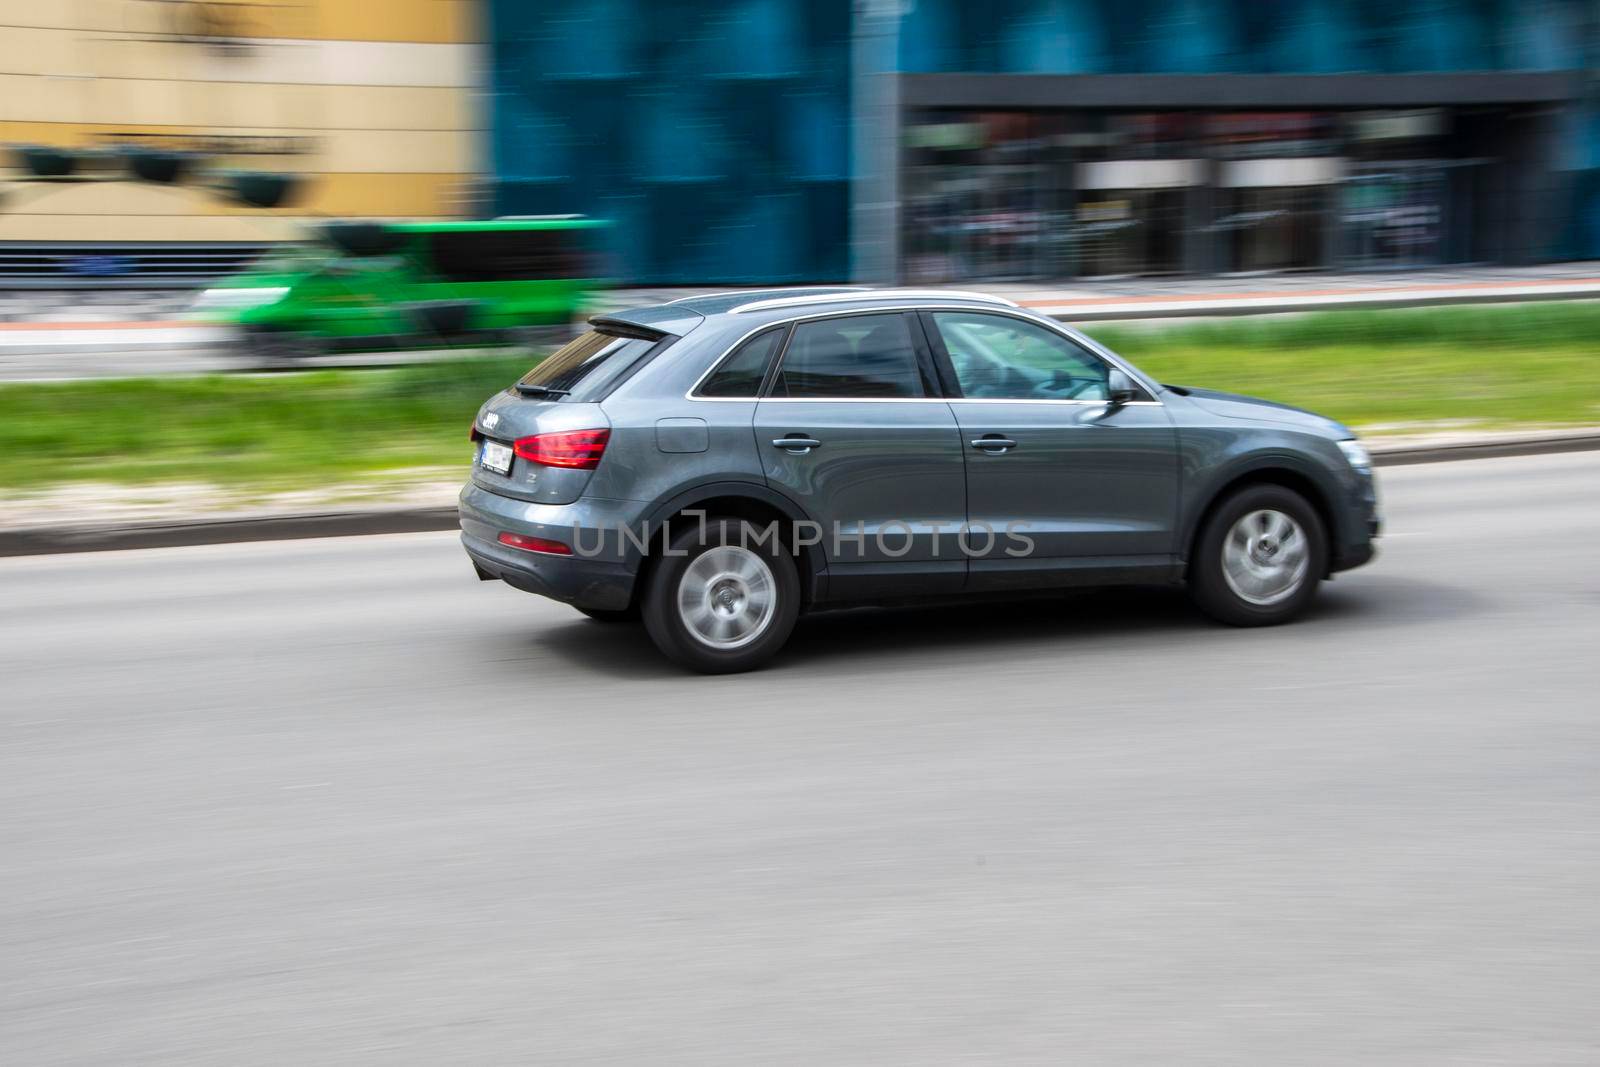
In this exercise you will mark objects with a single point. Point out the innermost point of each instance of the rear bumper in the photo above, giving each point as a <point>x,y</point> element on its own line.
<point>599,580</point>
<point>582,583</point>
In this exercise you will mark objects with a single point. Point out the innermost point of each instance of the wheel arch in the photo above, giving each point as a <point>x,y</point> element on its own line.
<point>1265,470</point>
<point>754,502</point>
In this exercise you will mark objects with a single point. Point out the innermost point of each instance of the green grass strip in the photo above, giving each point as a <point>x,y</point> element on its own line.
<point>1491,367</point>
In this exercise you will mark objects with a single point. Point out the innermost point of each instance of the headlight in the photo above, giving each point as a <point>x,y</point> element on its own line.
<point>1356,453</point>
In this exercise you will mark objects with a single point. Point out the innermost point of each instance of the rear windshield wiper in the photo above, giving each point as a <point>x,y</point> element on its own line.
<point>527,389</point>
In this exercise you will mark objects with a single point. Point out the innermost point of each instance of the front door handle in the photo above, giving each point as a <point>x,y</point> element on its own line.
<point>993,444</point>
<point>796,445</point>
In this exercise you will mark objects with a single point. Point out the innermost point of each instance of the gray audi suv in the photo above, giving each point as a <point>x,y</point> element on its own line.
<point>720,464</point>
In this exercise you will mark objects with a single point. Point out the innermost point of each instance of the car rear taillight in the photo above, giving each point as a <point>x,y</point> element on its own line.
<point>535,544</point>
<point>576,449</point>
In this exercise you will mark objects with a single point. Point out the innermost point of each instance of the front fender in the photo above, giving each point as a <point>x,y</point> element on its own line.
<point>1211,467</point>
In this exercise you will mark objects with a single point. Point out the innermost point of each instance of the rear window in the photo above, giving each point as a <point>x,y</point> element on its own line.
<point>587,364</point>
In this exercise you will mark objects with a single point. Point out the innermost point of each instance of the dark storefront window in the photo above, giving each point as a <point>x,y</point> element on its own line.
<point>1277,176</point>
<point>1398,188</point>
<point>982,196</point>
<point>1134,183</point>
<point>1013,196</point>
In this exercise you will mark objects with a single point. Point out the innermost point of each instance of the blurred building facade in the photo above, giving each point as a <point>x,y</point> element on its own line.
<point>372,104</point>
<point>753,141</point>
<point>952,140</point>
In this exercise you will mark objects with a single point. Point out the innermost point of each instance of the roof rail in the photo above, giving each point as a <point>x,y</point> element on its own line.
<point>875,294</point>
<point>781,289</point>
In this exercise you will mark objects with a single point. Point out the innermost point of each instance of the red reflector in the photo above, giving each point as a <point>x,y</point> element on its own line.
<point>535,544</point>
<point>577,449</point>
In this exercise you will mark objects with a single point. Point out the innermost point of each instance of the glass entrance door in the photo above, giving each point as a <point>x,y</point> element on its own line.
<point>1273,229</point>
<point>1129,231</point>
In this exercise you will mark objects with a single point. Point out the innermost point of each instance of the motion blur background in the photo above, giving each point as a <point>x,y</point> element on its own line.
<point>760,141</point>
<point>272,795</point>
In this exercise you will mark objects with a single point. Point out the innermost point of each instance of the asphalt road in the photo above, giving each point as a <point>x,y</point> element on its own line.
<point>337,802</point>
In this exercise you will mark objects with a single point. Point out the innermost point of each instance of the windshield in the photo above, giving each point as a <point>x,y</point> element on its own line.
<point>592,360</point>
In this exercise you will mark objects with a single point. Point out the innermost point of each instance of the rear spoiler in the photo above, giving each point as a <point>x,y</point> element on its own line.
<point>624,328</point>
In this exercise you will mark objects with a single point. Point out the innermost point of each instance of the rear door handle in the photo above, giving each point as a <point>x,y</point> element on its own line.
<point>993,443</point>
<point>796,445</point>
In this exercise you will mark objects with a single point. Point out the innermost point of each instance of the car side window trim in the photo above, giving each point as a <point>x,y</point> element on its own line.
<point>907,316</point>
<point>1085,344</point>
<point>951,385</point>
<point>1144,383</point>
<point>773,358</point>
<point>934,383</point>
<point>775,364</point>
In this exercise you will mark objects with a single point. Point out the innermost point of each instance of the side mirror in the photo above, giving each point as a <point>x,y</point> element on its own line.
<point>1120,389</point>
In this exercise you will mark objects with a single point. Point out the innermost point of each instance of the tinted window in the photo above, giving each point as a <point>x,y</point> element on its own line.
<point>590,359</point>
<point>867,356</point>
<point>508,255</point>
<point>1001,358</point>
<point>742,372</point>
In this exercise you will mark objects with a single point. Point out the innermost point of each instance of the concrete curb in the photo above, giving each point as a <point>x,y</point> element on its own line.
<point>106,537</point>
<point>1399,455</point>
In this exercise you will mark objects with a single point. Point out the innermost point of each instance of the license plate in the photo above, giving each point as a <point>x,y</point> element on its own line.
<point>496,457</point>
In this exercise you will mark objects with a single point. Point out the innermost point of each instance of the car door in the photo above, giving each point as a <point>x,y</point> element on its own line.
<point>1079,485</point>
<point>851,427</point>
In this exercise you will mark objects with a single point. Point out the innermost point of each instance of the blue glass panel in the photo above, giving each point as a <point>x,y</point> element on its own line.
<point>677,137</point>
<point>1221,36</point>
<point>582,39</point>
<point>1542,35</point>
<point>816,132</point>
<point>527,142</point>
<point>1187,37</point>
<point>754,39</point>
<point>713,132</point>
<point>1437,35</point>
<point>1313,37</point>
<point>1055,37</point>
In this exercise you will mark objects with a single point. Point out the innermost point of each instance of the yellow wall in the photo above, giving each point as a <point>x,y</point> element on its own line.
<point>371,100</point>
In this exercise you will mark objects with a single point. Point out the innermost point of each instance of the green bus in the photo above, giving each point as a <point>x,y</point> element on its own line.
<point>376,286</point>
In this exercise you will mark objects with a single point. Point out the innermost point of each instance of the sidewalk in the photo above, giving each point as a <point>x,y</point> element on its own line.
<point>1317,294</point>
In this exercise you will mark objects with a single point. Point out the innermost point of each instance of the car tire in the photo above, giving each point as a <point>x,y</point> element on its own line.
<point>1259,558</point>
<point>720,600</point>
